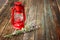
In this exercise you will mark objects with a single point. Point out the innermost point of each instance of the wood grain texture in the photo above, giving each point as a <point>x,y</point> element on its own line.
<point>35,10</point>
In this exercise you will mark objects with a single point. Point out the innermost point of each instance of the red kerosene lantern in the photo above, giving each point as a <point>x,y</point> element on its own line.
<point>18,15</point>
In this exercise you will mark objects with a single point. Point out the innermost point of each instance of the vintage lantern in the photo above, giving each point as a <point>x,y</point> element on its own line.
<point>18,15</point>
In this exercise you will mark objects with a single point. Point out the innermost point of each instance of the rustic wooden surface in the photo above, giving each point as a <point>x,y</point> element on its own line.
<point>41,10</point>
<point>55,5</point>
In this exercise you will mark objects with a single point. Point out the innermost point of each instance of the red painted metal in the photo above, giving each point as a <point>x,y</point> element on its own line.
<point>18,15</point>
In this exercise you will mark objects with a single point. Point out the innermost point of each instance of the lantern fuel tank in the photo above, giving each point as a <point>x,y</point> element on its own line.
<point>18,15</point>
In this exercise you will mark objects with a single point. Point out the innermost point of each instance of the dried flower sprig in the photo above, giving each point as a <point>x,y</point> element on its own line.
<point>28,28</point>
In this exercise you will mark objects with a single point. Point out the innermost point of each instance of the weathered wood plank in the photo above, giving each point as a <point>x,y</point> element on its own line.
<point>56,15</point>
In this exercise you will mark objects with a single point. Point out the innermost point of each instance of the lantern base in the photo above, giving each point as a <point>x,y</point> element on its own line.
<point>18,26</point>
